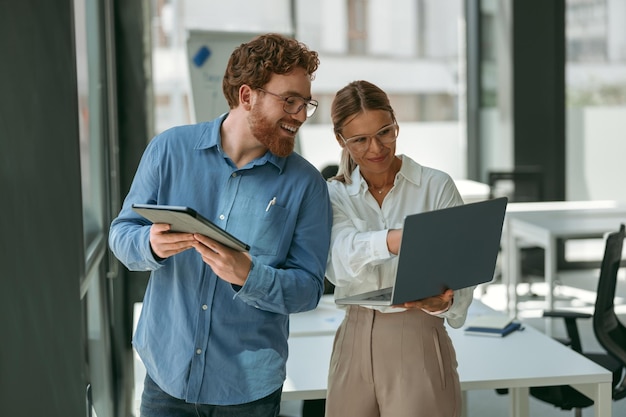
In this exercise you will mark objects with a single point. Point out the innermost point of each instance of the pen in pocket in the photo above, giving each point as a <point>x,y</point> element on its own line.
<point>270,204</point>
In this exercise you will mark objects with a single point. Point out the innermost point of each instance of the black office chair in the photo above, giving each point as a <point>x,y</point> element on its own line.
<point>609,331</point>
<point>329,171</point>
<point>522,184</point>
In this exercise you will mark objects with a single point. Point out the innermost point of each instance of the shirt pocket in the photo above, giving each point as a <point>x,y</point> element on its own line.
<point>267,225</point>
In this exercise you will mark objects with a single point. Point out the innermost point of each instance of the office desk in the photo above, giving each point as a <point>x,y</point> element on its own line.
<point>542,224</point>
<point>517,362</point>
<point>323,321</point>
<point>528,359</point>
<point>472,191</point>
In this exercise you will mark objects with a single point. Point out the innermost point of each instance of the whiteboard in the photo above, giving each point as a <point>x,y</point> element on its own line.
<point>208,53</point>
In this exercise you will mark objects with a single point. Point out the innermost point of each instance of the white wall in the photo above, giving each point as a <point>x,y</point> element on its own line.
<point>237,15</point>
<point>406,76</point>
<point>596,153</point>
<point>616,48</point>
<point>441,28</point>
<point>392,28</point>
<point>497,147</point>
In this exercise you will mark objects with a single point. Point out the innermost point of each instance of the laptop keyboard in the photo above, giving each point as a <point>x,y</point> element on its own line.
<point>380,297</point>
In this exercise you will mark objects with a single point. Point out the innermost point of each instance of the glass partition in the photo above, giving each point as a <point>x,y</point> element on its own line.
<point>596,99</point>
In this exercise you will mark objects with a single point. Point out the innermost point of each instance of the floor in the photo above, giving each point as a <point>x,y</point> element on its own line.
<point>575,292</point>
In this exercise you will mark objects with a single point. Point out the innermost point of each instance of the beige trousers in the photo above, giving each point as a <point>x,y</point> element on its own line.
<point>392,365</point>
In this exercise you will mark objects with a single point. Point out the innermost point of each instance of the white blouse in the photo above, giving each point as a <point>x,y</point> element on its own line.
<point>359,259</point>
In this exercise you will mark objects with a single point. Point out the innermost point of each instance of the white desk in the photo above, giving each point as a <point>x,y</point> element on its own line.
<point>323,321</point>
<point>542,224</point>
<point>472,191</point>
<point>517,362</point>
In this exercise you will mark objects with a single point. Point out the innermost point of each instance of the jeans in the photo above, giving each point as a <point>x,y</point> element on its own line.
<point>156,403</point>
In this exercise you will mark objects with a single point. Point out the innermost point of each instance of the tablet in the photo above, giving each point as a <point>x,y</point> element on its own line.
<point>185,219</point>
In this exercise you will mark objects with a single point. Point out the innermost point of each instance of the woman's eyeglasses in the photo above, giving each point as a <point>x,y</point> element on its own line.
<point>361,143</point>
<point>293,104</point>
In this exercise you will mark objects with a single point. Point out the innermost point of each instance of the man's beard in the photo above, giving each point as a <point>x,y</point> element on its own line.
<point>270,134</point>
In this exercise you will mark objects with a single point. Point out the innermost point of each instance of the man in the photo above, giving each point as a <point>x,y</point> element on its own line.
<point>214,324</point>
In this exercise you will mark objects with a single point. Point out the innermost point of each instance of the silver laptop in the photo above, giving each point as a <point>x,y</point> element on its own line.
<point>452,248</point>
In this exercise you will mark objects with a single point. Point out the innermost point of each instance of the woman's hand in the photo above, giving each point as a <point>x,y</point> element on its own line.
<point>394,238</point>
<point>435,304</point>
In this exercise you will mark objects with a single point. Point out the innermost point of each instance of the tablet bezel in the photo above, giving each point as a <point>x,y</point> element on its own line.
<point>187,220</point>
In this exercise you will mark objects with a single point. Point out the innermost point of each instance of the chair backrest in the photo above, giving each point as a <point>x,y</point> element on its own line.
<point>520,185</point>
<point>607,327</point>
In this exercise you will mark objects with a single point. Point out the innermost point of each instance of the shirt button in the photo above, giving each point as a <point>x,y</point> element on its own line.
<point>198,351</point>
<point>234,174</point>
<point>222,217</point>
<point>204,307</point>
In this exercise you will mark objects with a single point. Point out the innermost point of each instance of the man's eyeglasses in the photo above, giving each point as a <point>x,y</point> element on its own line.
<point>293,104</point>
<point>361,143</point>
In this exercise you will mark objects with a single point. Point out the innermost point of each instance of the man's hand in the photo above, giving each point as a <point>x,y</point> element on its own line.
<point>228,264</point>
<point>165,243</point>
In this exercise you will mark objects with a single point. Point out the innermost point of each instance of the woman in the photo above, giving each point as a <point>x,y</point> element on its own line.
<point>387,361</point>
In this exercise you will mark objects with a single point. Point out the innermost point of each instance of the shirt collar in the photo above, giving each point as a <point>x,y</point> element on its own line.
<point>411,170</point>
<point>211,137</point>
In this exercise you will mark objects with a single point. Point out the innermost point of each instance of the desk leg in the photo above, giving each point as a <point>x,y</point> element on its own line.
<point>602,406</point>
<point>519,402</point>
<point>550,262</point>
<point>601,395</point>
<point>512,271</point>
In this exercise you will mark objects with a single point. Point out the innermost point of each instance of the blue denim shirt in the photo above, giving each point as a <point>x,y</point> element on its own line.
<point>202,339</point>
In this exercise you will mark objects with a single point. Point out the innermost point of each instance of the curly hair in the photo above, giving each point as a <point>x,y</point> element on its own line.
<point>255,62</point>
<point>349,102</point>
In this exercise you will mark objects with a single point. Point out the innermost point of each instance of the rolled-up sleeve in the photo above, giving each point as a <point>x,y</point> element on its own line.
<point>457,313</point>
